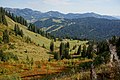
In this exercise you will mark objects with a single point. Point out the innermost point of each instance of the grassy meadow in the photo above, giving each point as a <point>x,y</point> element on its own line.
<point>33,57</point>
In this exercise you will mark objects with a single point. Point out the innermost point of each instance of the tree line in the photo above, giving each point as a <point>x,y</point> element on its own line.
<point>15,18</point>
<point>64,51</point>
<point>2,16</point>
<point>33,28</point>
<point>22,21</point>
<point>18,31</point>
<point>98,51</point>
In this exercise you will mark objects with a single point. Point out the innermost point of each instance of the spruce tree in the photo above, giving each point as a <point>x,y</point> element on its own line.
<point>79,50</point>
<point>4,20</point>
<point>21,33</point>
<point>30,27</point>
<point>57,56</point>
<point>62,47</point>
<point>118,47</point>
<point>68,45</point>
<point>83,54</point>
<point>66,53</point>
<point>2,16</point>
<point>89,51</point>
<point>17,30</point>
<point>52,46</point>
<point>6,36</point>
<point>1,54</point>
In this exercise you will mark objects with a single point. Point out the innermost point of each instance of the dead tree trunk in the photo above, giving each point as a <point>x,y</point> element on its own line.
<point>113,53</point>
<point>93,74</point>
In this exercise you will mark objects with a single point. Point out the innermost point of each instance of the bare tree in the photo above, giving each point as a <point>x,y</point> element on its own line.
<point>113,53</point>
<point>93,74</point>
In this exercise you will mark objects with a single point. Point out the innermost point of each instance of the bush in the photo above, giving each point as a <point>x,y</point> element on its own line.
<point>43,46</point>
<point>0,40</point>
<point>6,36</point>
<point>85,65</point>
<point>28,39</point>
<point>11,77</point>
<point>56,56</point>
<point>12,46</point>
<point>52,46</point>
<point>66,54</point>
<point>39,66</point>
<point>74,47</point>
<point>3,70</point>
<point>7,56</point>
<point>103,58</point>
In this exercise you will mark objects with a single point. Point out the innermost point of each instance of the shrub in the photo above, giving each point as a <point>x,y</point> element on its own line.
<point>66,54</point>
<point>0,40</point>
<point>11,77</point>
<point>3,70</point>
<point>26,51</point>
<point>28,39</point>
<point>85,65</point>
<point>74,47</point>
<point>52,46</point>
<point>12,46</point>
<point>39,66</point>
<point>57,56</point>
<point>79,50</point>
<point>43,46</point>
<point>6,36</point>
<point>7,56</point>
<point>104,57</point>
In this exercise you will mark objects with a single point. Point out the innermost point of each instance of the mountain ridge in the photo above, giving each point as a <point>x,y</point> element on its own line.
<point>34,15</point>
<point>90,27</point>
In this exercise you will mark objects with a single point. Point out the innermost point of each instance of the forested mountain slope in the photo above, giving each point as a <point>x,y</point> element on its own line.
<point>90,28</point>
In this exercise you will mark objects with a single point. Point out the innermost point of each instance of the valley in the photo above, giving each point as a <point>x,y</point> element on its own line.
<point>56,46</point>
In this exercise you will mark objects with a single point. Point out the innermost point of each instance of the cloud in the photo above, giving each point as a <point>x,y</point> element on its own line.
<point>58,2</point>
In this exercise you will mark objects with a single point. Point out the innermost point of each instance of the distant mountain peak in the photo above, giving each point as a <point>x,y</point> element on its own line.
<point>34,15</point>
<point>53,12</point>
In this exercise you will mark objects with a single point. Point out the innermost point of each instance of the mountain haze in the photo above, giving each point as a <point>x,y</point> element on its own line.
<point>32,15</point>
<point>87,25</point>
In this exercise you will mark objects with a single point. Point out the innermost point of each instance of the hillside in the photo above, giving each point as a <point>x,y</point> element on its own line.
<point>26,55</point>
<point>21,47</point>
<point>90,28</point>
<point>20,59</point>
<point>60,40</point>
<point>35,48</point>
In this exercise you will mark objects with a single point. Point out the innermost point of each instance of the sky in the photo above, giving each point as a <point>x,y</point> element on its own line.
<point>105,7</point>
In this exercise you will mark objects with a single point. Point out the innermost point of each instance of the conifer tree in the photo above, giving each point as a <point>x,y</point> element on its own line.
<point>89,51</point>
<point>6,36</point>
<point>1,54</point>
<point>68,45</point>
<point>79,50</point>
<point>21,33</point>
<point>18,31</point>
<point>52,46</point>
<point>4,20</point>
<point>66,53</point>
<point>57,56</point>
<point>62,47</point>
<point>2,16</point>
<point>83,54</point>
